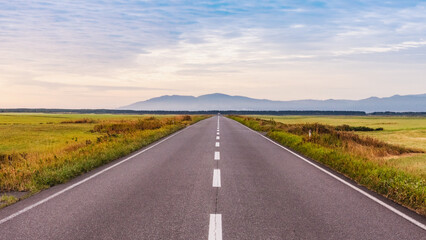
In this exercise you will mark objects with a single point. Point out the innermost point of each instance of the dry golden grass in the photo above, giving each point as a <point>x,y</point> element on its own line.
<point>401,131</point>
<point>40,150</point>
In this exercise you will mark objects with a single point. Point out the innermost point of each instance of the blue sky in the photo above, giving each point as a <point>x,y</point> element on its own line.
<point>105,54</point>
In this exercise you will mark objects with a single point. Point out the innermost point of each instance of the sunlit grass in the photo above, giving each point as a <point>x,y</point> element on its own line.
<point>6,199</point>
<point>41,150</point>
<point>44,132</point>
<point>387,122</point>
<point>403,131</point>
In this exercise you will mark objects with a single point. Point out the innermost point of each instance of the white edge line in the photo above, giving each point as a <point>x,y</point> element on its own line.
<point>85,180</point>
<point>215,227</point>
<point>394,210</point>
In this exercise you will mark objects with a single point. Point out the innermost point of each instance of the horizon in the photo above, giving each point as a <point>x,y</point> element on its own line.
<point>220,93</point>
<point>224,102</point>
<point>89,54</point>
<point>217,93</point>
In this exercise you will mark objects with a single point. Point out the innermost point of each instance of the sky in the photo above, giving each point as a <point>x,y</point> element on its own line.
<point>106,54</point>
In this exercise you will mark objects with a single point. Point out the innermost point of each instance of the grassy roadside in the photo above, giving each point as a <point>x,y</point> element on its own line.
<point>405,131</point>
<point>36,156</point>
<point>352,155</point>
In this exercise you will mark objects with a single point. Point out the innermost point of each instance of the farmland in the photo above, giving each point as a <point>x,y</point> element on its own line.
<point>40,150</point>
<point>402,131</point>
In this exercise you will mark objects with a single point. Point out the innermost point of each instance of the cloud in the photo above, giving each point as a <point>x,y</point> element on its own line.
<point>296,10</point>
<point>382,49</point>
<point>97,88</point>
<point>164,46</point>
<point>297,26</point>
<point>358,32</point>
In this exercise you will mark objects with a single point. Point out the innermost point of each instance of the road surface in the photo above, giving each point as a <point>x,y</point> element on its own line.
<point>216,179</point>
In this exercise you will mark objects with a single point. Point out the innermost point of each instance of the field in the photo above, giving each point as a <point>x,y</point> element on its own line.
<point>40,150</point>
<point>402,131</point>
<point>387,156</point>
<point>46,133</point>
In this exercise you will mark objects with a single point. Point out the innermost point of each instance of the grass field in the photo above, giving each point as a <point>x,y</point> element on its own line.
<point>44,133</point>
<point>403,131</point>
<point>40,150</point>
<point>390,162</point>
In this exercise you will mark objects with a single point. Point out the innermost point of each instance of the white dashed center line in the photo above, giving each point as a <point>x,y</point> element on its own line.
<point>215,227</point>
<point>216,178</point>
<point>215,224</point>
<point>216,155</point>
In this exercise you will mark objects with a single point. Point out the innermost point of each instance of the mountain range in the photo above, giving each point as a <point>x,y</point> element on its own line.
<point>219,101</point>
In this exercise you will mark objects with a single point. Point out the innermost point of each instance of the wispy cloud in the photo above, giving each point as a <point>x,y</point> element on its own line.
<point>382,49</point>
<point>297,26</point>
<point>199,46</point>
<point>97,88</point>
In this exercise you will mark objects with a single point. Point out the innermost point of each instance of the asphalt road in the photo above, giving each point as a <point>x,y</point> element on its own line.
<point>202,183</point>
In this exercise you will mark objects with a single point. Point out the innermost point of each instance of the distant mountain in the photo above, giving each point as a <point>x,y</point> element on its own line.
<point>218,101</point>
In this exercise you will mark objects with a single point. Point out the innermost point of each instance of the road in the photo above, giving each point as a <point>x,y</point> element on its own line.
<point>216,179</point>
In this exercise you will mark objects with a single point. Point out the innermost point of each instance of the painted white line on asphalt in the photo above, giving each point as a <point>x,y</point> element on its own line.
<point>217,137</point>
<point>217,133</point>
<point>216,155</point>
<point>85,180</point>
<point>217,144</point>
<point>215,227</point>
<point>394,210</point>
<point>216,178</point>
<point>218,123</point>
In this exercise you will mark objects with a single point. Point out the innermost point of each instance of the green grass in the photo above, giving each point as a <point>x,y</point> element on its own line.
<point>41,138</point>
<point>40,150</point>
<point>402,131</point>
<point>46,118</point>
<point>6,200</point>
<point>414,164</point>
<point>44,132</point>
<point>399,176</point>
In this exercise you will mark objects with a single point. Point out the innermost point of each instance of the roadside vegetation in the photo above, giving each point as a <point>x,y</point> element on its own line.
<point>405,131</point>
<point>41,150</point>
<point>363,158</point>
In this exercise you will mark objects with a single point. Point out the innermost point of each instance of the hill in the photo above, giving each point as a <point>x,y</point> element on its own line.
<point>218,101</point>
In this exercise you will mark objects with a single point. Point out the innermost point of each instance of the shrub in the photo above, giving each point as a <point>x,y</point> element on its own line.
<point>84,120</point>
<point>186,118</point>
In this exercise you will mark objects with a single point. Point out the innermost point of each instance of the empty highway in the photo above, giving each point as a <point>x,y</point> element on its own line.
<point>216,179</point>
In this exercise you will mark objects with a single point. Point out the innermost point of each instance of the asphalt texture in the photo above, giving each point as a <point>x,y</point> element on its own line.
<point>166,192</point>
